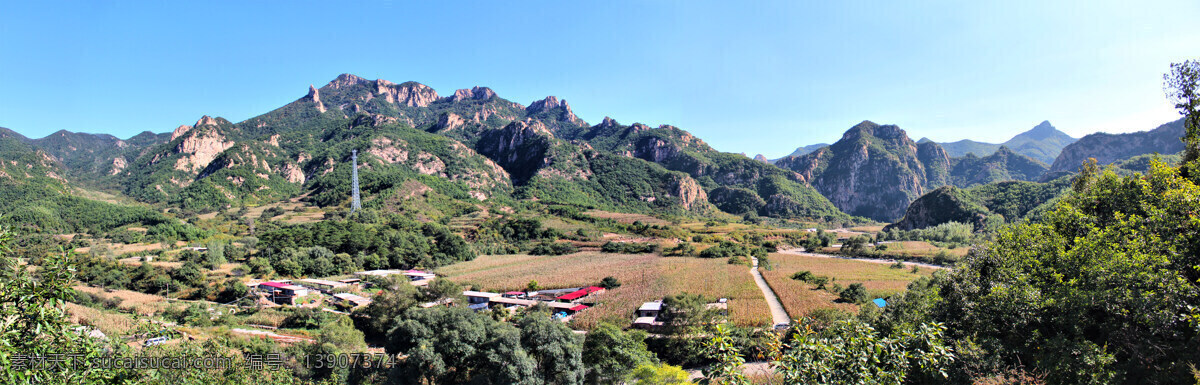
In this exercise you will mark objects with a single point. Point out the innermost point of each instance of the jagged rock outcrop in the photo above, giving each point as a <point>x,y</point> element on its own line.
<point>200,145</point>
<point>118,165</point>
<point>520,148</point>
<point>558,115</point>
<point>411,94</point>
<point>687,190</point>
<point>315,97</point>
<point>475,93</point>
<point>761,158</point>
<point>449,121</point>
<point>179,131</point>
<point>1109,148</point>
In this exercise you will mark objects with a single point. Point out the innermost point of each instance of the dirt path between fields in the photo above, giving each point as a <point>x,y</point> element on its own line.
<point>778,314</point>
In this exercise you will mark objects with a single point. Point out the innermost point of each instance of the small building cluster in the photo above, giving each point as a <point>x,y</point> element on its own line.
<point>564,303</point>
<point>348,293</point>
<point>647,315</point>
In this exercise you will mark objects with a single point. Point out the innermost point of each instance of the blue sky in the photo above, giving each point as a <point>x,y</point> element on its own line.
<point>754,77</point>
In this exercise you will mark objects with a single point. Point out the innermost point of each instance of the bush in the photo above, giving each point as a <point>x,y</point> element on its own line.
<point>628,247</point>
<point>855,293</point>
<point>609,283</point>
<point>553,248</point>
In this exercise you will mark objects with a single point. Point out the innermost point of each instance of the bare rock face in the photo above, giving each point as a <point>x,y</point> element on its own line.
<point>411,94</point>
<point>550,103</point>
<point>292,172</point>
<point>346,81</point>
<point>654,149</point>
<point>476,93</point>
<point>388,150</point>
<point>873,171</point>
<point>118,165</point>
<point>520,147</point>
<point>449,121</point>
<point>761,158</point>
<point>200,147</point>
<point>608,123</point>
<point>687,190</point>
<point>1109,148</point>
<point>315,96</point>
<point>205,121</point>
<point>179,131</point>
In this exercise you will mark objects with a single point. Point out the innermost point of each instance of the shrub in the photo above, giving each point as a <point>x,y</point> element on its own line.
<point>855,293</point>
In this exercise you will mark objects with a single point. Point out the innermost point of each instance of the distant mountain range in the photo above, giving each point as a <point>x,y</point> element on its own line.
<point>428,155</point>
<point>1043,142</point>
<point>1109,148</point>
<point>434,156</point>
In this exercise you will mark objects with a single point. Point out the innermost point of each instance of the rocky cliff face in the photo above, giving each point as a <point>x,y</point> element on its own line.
<point>873,171</point>
<point>520,148</point>
<point>1109,148</point>
<point>200,145</point>
<point>687,190</point>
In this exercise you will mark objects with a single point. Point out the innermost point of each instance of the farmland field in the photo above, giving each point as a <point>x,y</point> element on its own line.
<point>922,249</point>
<point>800,298</point>
<point>644,277</point>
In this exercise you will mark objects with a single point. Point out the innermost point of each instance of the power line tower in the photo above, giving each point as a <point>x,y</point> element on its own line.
<point>355,201</point>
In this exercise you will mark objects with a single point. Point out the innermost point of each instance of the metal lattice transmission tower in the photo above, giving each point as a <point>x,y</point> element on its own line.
<point>355,200</point>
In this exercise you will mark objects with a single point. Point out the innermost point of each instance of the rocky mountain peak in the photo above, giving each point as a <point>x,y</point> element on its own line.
<point>411,94</point>
<point>608,123</point>
<point>475,93</point>
<point>1041,131</point>
<point>205,121</point>
<point>761,158</point>
<point>179,131</point>
<point>549,102</point>
<point>346,81</point>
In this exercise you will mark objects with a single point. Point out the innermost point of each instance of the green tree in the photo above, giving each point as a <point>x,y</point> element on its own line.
<point>1182,86</point>
<point>378,317</point>
<point>727,370</point>
<point>555,348</point>
<point>342,335</point>
<point>455,345</point>
<point>852,352</point>
<point>610,354</point>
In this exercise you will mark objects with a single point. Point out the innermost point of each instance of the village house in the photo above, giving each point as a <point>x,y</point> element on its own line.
<point>281,292</point>
<point>322,285</point>
<point>575,296</point>
<point>352,300</point>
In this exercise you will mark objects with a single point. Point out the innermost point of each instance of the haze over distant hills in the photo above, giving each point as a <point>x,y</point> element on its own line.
<point>1043,142</point>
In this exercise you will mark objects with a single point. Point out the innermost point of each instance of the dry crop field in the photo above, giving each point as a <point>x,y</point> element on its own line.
<point>111,324</point>
<point>131,301</point>
<point>922,249</point>
<point>644,277</point>
<point>800,298</point>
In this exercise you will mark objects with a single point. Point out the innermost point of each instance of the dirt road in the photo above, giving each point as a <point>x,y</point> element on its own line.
<point>778,315</point>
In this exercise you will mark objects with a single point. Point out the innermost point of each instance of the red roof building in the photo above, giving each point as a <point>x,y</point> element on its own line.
<point>584,292</point>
